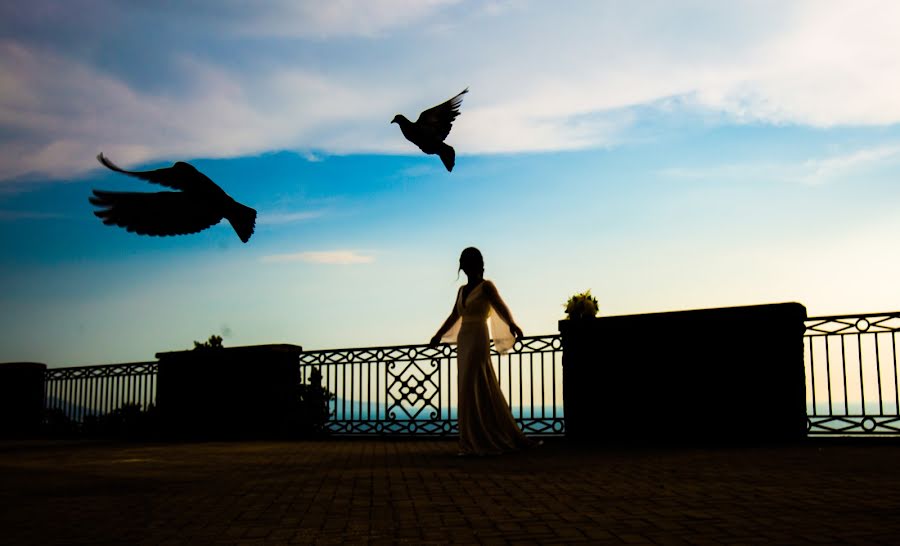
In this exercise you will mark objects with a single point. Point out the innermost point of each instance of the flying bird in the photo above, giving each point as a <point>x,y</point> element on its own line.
<point>429,131</point>
<point>198,204</point>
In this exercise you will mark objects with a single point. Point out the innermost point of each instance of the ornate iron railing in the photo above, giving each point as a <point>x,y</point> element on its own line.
<point>82,391</point>
<point>411,389</point>
<point>851,383</point>
<point>851,375</point>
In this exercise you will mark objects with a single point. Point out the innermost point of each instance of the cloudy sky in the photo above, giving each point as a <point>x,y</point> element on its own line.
<point>666,155</point>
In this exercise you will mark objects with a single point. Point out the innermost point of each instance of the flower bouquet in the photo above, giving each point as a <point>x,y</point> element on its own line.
<point>582,306</point>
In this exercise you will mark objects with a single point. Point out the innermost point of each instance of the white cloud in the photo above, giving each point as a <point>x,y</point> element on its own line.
<point>812,171</point>
<point>310,19</point>
<point>330,257</point>
<point>494,8</point>
<point>65,113</point>
<point>335,18</point>
<point>817,171</point>
<point>542,78</point>
<point>312,157</point>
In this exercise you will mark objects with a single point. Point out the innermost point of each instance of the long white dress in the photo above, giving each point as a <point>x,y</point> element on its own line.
<point>486,425</point>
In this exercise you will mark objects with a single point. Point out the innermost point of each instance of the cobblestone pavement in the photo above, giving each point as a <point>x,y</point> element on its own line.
<point>418,491</point>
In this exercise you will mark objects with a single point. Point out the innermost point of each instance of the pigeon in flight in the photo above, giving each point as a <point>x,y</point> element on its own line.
<point>199,204</point>
<point>432,127</point>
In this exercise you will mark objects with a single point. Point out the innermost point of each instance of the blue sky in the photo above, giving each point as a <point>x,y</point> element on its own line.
<point>666,155</point>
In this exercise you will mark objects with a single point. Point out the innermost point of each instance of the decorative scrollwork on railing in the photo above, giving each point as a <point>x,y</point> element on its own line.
<point>853,324</point>
<point>536,344</point>
<point>843,425</point>
<point>411,389</point>
<point>103,370</point>
<point>376,355</point>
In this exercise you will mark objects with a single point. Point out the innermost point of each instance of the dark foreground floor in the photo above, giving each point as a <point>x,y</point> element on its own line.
<point>420,492</point>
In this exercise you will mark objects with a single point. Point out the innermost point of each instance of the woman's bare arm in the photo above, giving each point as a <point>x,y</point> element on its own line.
<point>498,304</point>
<point>451,320</point>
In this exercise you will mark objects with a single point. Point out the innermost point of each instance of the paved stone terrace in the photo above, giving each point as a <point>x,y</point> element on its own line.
<point>419,492</point>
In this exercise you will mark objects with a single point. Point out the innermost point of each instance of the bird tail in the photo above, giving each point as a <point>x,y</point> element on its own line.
<point>448,156</point>
<point>243,220</point>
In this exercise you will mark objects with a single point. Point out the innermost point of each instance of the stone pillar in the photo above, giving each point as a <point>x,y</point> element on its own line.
<point>21,398</point>
<point>729,375</point>
<point>235,392</point>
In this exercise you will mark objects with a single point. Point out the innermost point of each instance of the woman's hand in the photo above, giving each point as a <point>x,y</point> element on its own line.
<point>516,331</point>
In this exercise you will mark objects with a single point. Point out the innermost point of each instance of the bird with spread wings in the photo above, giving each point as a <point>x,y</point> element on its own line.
<point>431,129</point>
<point>198,204</point>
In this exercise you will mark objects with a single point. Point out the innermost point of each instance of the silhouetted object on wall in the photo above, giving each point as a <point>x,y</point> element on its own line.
<point>432,127</point>
<point>214,342</point>
<point>199,204</point>
<point>58,425</point>
<point>312,406</point>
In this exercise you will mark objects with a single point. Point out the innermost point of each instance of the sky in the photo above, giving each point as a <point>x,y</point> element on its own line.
<point>665,155</point>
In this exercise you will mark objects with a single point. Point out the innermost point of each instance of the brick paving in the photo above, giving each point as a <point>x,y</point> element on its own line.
<point>419,492</point>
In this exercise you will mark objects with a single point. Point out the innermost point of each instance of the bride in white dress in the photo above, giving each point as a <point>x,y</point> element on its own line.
<point>486,425</point>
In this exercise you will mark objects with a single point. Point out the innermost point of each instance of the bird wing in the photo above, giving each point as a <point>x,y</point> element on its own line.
<point>162,213</point>
<point>438,120</point>
<point>180,176</point>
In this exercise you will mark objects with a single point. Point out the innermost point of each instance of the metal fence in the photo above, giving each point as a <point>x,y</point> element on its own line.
<point>851,375</point>
<point>851,383</point>
<point>84,391</point>
<point>411,389</point>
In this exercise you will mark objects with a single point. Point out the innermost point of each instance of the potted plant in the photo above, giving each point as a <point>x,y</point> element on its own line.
<point>582,306</point>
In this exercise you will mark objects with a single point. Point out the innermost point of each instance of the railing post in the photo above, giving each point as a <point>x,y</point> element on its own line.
<point>21,398</point>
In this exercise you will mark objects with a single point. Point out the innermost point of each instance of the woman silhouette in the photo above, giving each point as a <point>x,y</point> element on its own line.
<point>486,425</point>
